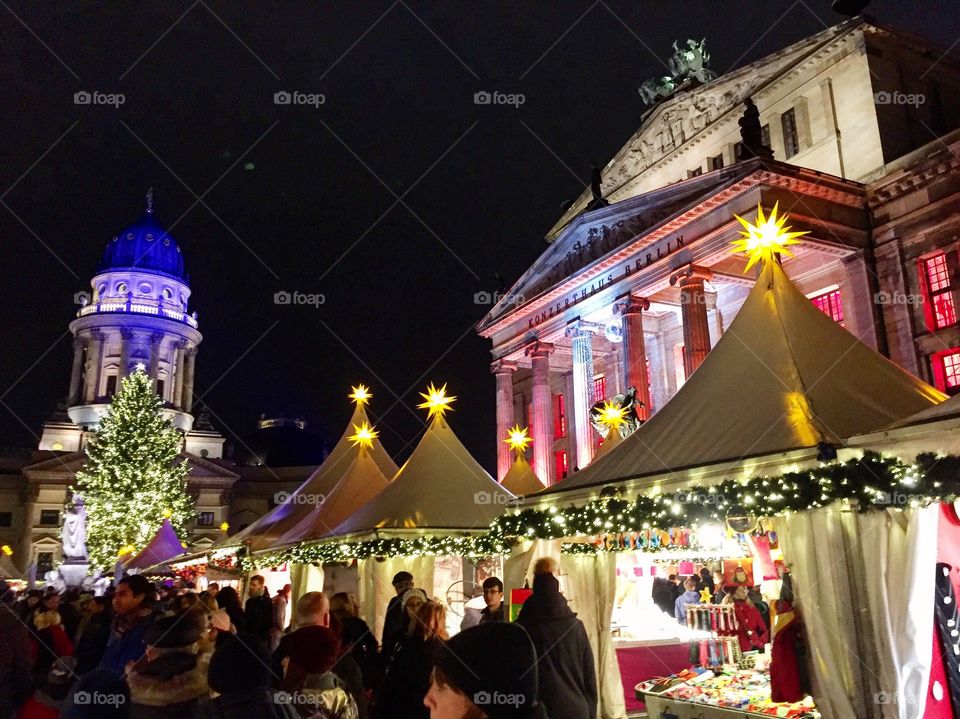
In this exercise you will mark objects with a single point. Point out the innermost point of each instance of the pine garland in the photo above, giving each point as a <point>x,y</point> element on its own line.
<point>132,480</point>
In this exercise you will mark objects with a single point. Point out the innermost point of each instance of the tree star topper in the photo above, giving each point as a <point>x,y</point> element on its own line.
<point>224,527</point>
<point>766,239</point>
<point>360,394</point>
<point>518,439</point>
<point>612,415</point>
<point>437,401</point>
<point>363,435</point>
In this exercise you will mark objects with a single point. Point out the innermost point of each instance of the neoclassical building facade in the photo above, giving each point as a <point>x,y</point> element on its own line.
<point>637,281</point>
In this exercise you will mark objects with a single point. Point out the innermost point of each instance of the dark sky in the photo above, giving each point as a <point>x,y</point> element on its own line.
<point>318,213</point>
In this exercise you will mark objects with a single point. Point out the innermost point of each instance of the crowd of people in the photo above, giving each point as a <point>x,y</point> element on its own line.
<point>148,652</point>
<point>675,593</point>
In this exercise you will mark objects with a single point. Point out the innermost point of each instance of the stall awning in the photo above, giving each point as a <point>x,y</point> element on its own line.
<point>164,545</point>
<point>783,376</point>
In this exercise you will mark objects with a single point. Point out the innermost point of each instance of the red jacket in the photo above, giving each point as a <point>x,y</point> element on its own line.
<point>751,629</point>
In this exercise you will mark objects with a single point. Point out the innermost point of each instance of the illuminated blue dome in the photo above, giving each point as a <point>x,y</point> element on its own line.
<point>146,246</point>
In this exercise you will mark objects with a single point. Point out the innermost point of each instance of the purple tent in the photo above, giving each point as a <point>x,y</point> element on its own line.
<point>164,545</point>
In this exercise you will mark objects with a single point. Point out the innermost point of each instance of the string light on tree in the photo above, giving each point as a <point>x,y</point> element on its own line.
<point>436,401</point>
<point>766,239</point>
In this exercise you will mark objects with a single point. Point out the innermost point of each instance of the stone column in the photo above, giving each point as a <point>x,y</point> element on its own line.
<point>658,371</point>
<point>630,310</point>
<point>693,306</point>
<point>94,366</point>
<point>76,371</point>
<point>583,399</point>
<point>542,431</point>
<point>503,370</point>
<point>188,379</point>
<point>126,339</point>
<point>155,339</point>
<point>858,299</point>
<point>178,350</point>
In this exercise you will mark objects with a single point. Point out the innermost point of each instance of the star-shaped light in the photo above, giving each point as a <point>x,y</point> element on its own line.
<point>363,435</point>
<point>518,439</point>
<point>224,527</point>
<point>140,367</point>
<point>437,401</point>
<point>7,549</point>
<point>360,394</point>
<point>167,513</point>
<point>612,415</point>
<point>125,550</point>
<point>766,239</point>
<point>705,596</point>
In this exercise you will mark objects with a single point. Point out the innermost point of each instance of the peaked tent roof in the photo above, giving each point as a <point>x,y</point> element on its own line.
<point>944,410</point>
<point>362,482</point>
<point>783,376</point>
<point>520,479</point>
<point>7,570</point>
<point>164,545</point>
<point>439,487</point>
<point>282,518</point>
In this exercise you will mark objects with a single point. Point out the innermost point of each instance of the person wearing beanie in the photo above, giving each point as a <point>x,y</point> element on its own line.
<point>171,679</point>
<point>568,677</point>
<point>394,622</point>
<point>239,674</point>
<point>48,701</point>
<point>486,671</point>
<point>98,695</point>
<point>308,684</point>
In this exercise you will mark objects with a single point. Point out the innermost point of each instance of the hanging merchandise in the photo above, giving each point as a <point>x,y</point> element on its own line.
<point>948,622</point>
<point>763,566</point>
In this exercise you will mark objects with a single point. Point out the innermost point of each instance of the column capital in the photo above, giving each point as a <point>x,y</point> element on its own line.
<point>538,349</point>
<point>79,342</point>
<point>581,328</point>
<point>191,351</point>
<point>127,334</point>
<point>691,275</point>
<point>97,335</point>
<point>630,305</point>
<point>156,338</point>
<point>503,366</point>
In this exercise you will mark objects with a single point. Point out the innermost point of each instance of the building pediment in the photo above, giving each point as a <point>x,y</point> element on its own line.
<point>63,468</point>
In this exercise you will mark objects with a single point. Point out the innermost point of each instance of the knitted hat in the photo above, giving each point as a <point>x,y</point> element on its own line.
<point>412,593</point>
<point>314,649</point>
<point>240,663</point>
<point>503,689</point>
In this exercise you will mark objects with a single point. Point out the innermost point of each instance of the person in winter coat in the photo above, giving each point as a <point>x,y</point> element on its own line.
<point>258,611</point>
<point>132,615</point>
<point>408,676</point>
<point>93,634</point>
<point>662,595</point>
<point>48,701</point>
<point>789,672</point>
<point>308,684</point>
<point>690,596</point>
<point>50,642</point>
<point>312,612</point>
<point>568,679</point>
<point>229,601</point>
<point>239,673</point>
<point>279,616</point>
<point>170,680</point>
<point>357,639</point>
<point>465,681</point>
<point>15,647</point>
<point>394,622</point>
<point>493,598</point>
<point>114,696</point>
<point>751,629</point>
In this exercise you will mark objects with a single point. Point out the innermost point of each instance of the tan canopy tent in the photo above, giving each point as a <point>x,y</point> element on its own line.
<point>164,545</point>
<point>520,479</point>
<point>316,490</point>
<point>7,570</point>
<point>783,376</point>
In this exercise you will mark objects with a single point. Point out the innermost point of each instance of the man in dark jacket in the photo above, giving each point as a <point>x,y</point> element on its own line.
<point>493,597</point>
<point>258,611</point>
<point>568,678</point>
<point>132,613</point>
<point>15,669</point>
<point>92,634</point>
<point>395,621</point>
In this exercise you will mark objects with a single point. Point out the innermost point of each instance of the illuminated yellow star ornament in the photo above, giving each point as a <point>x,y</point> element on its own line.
<point>612,415</point>
<point>360,394</point>
<point>518,439</point>
<point>766,239</point>
<point>436,402</point>
<point>224,527</point>
<point>363,435</point>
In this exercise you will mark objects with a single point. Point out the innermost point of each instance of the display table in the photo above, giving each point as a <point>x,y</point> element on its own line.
<point>640,661</point>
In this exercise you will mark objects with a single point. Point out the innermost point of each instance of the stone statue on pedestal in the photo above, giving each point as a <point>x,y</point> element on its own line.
<point>74,533</point>
<point>751,133</point>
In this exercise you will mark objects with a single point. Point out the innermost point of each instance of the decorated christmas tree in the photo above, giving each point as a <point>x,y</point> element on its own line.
<point>132,480</point>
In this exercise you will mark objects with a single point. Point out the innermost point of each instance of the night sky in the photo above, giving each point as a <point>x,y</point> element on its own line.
<point>397,199</point>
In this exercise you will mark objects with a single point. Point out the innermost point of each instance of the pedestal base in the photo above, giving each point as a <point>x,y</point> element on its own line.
<point>73,573</point>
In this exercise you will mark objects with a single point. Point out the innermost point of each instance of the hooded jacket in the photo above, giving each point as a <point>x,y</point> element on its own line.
<point>169,687</point>
<point>568,677</point>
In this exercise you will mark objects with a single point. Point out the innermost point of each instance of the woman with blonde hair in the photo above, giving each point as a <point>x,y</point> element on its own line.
<point>408,676</point>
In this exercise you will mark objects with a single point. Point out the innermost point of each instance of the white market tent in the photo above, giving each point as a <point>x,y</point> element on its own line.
<point>520,479</point>
<point>784,376</point>
<point>7,570</point>
<point>318,488</point>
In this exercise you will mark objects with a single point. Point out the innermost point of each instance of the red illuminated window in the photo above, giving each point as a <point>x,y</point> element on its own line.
<point>946,370</point>
<point>561,458</point>
<point>939,294</point>
<point>829,303</point>
<point>559,417</point>
<point>599,389</point>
